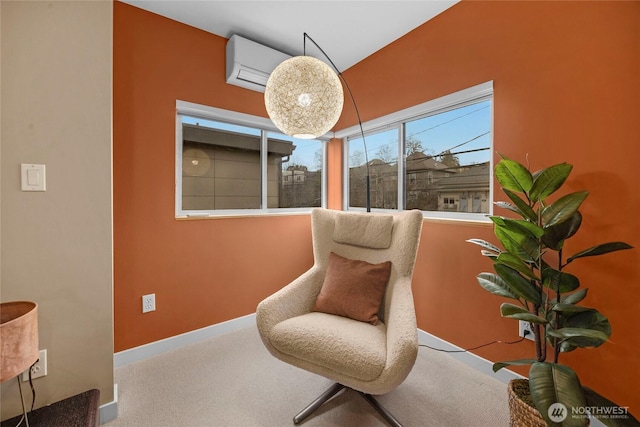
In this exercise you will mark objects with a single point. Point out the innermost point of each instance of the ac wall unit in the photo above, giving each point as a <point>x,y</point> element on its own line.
<point>249,64</point>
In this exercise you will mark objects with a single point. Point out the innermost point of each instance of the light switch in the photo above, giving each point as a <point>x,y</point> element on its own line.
<point>33,177</point>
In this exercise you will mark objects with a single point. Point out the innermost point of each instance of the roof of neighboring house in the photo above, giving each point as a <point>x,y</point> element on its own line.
<point>225,138</point>
<point>420,161</point>
<point>376,167</point>
<point>477,176</point>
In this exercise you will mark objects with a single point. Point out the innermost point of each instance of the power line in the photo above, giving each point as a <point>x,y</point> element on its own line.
<point>448,121</point>
<point>448,151</point>
<point>436,126</point>
<point>433,156</point>
<point>464,143</point>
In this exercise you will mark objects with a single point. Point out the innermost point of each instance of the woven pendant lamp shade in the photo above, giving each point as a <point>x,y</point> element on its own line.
<point>304,97</point>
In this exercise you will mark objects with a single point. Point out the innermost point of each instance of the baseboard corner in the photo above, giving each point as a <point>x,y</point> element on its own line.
<point>109,411</point>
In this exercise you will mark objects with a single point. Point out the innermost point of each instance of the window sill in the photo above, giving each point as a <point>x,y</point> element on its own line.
<point>239,214</point>
<point>457,217</point>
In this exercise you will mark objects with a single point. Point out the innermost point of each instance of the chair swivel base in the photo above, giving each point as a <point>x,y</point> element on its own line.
<point>335,389</point>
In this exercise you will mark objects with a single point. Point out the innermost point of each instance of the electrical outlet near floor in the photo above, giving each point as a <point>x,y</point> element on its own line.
<point>525,327</point>
<point>148,303</point>
<point>39,369</point>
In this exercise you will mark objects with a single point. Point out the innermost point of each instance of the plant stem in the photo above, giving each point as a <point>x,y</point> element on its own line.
<point>556,343</point>
<point>540,335</point>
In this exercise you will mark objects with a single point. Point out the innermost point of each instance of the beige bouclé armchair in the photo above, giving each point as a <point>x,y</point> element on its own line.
<point>372,359</point>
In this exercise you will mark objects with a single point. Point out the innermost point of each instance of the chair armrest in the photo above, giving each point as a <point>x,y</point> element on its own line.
<point>402,333</point>
<point>294,299</point>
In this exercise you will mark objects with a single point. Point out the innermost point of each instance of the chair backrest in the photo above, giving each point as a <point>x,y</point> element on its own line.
<point>370,237</point>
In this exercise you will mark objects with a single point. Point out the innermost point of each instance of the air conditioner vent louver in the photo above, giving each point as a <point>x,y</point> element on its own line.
<point>249,64</point>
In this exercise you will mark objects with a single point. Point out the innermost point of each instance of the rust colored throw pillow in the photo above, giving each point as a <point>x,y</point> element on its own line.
<point>353,288</point>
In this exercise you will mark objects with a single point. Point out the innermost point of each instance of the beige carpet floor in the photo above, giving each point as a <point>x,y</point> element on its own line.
<point>231,380</point>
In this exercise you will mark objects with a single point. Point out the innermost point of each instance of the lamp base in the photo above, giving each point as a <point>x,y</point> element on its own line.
<point>25,417</point>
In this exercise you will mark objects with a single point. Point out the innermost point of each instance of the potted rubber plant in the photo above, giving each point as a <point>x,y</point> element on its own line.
<point>530,268</point>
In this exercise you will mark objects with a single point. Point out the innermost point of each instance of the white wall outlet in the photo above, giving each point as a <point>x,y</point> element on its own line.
<point>525,326</point>
<point>39,369</point>
<point>148,303</point>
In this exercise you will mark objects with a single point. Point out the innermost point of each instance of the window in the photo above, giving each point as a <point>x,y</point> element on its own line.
<point>445,169</point>
<point>300,177</point>
<point>230,163</point>
<point>448,204</point>
<point>382,169</point>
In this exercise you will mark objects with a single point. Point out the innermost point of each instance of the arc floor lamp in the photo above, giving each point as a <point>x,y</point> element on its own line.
<point>304,99</point>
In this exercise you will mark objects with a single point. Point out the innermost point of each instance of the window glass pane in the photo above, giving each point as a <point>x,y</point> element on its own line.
<point>220,165</point>
<point>448,160</point>
<point>294,172</point>
<point>382,153</point>
<point>223,164</point>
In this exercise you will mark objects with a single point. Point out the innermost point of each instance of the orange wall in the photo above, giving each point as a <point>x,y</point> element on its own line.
<point>566,89</point>
<point>202,271</point>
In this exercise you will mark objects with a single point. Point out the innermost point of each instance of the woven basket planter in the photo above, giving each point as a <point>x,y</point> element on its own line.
<point>521,413</point>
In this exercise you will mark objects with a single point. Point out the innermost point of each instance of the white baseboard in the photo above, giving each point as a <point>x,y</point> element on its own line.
<point>109,411</point>
<point>476,362</point>
<point>147,350</point>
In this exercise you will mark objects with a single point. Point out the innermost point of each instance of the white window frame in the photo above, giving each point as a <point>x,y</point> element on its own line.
<point>481,92</point>
<point>235,118</point>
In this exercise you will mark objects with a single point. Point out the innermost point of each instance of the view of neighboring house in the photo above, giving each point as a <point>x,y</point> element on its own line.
<point>430,185</point>
<point>300,187</point>
<point>465,191</point>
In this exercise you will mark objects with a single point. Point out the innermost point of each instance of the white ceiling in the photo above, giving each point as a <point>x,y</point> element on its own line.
<point>348,31</point>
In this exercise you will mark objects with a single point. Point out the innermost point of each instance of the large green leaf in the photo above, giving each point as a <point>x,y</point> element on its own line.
<point>521,206</point>
<point>508,206</point>
<point>483,243</point>
<point>521,244</point>
<point>559,281</point>
<point>575,297</point>
<point>563,208</point>
<point>555,235</point>
<point>516,312</point>
<point>591,320</point>
<point>519,285</point>
<point>495,284</point>
<point>551,383</point>
<point>609,414</point>
<point>520,226</point>
<point>548,180</point>
<point>569,333</point>
<point>569,309</point>
<point>513,176</point>
<point>565,346</point>
<point>516,263</point>
<point>600,250</point>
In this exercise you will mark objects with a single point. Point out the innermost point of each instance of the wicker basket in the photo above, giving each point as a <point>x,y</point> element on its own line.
<point>521,414</point>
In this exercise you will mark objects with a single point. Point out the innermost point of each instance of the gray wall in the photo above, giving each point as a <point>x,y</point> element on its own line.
<point>56,246</point>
